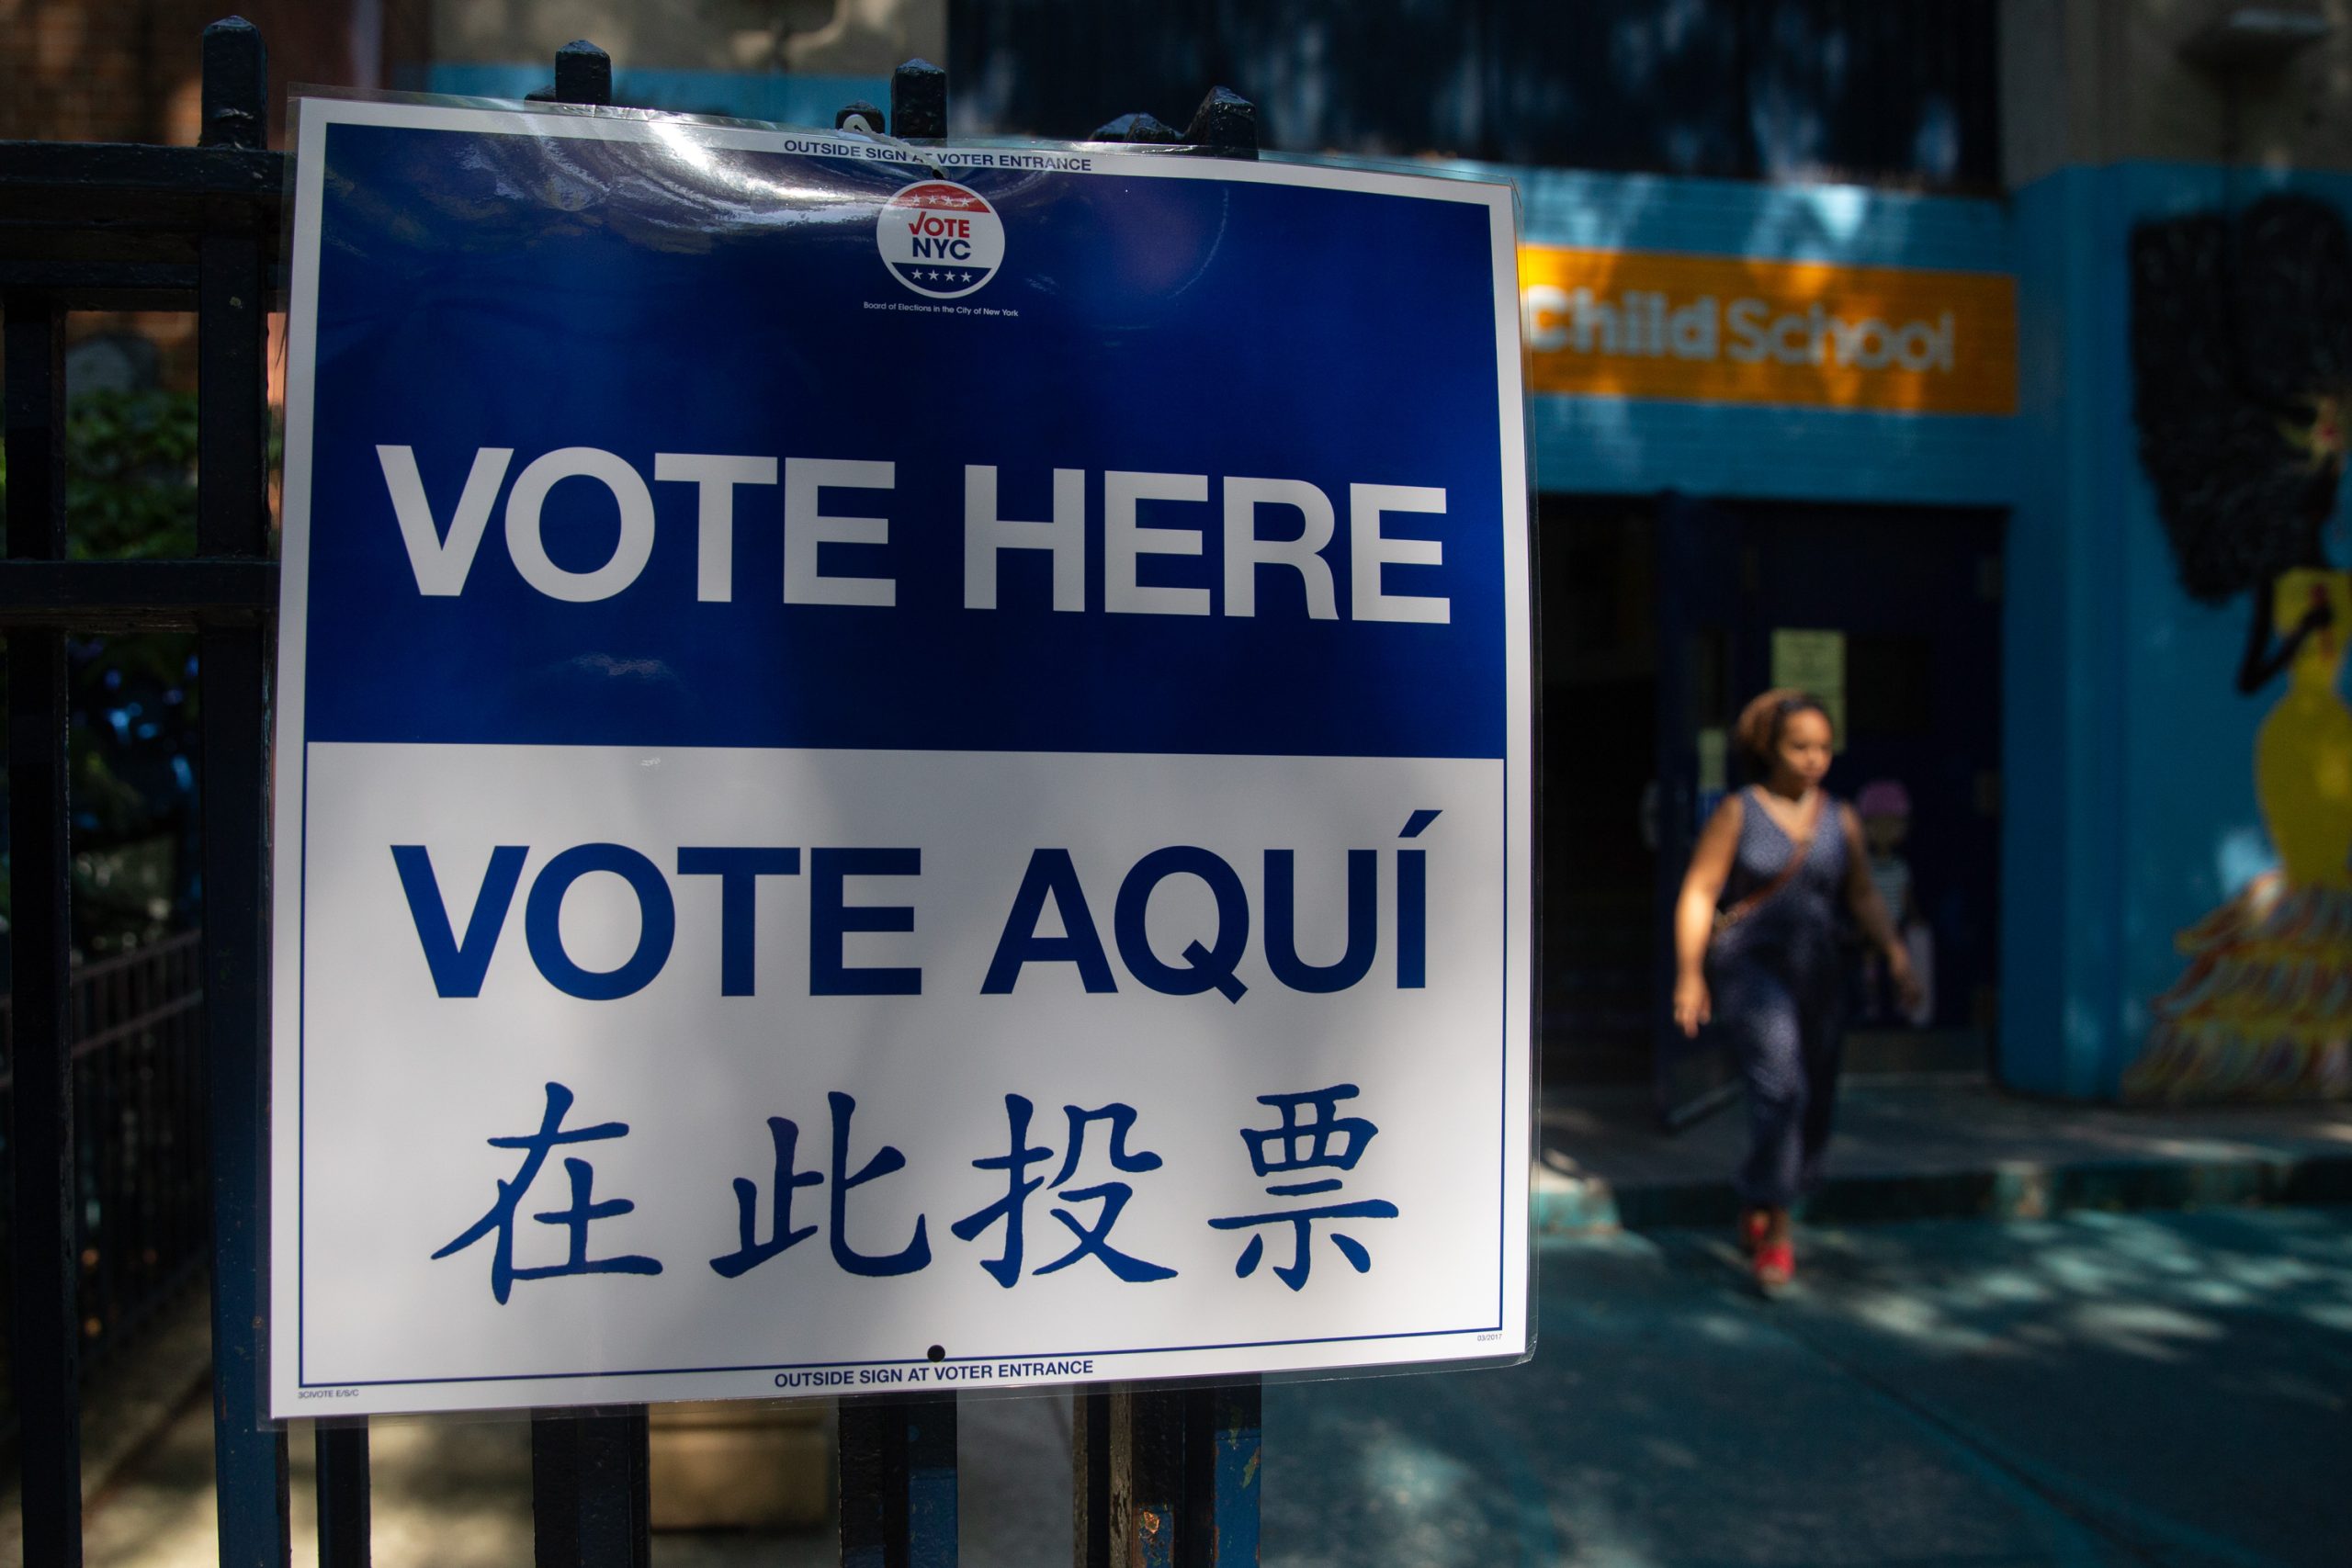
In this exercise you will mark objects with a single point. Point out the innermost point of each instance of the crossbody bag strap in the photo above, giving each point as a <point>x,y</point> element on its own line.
<point>1749,906</point>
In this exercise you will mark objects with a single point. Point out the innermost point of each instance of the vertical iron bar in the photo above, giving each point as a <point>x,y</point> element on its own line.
<point>871,1469</point>
<point>589,1486</point>
<point>1090,1449</point>
<point>233,519</point>
<point>1222,1428</point>
<point>46,1339</point>
<point>590,1475</point>
<point>932,1539</point>
<point>896,1455</point>
<point>1167,1479</point>
<point>1146,1483</point>
<point>1161,1479</point>
<point>897,1482</point>
<point>344,1513</point>
<point>101,1082</point>
<point>555,1491</point>
<point>96,1151</point>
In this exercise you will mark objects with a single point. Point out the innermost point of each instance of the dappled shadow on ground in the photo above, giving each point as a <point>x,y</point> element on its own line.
<point>2090,1390</point>
<point>2183,1383</point>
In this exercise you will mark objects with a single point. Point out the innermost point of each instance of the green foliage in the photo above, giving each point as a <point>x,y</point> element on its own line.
<point>130,467</point>
<point>130,493</point>
<point>130,474</point>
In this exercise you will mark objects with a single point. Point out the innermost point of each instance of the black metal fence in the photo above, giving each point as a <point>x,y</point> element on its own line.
<point>142,1229</point>
<point>1161,1476</point>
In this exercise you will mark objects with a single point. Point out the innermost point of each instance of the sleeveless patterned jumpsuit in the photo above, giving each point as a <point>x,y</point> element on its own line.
<point>1775,979</point>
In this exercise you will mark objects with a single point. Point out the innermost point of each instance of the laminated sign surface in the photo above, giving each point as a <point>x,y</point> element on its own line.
<point>894,768</point>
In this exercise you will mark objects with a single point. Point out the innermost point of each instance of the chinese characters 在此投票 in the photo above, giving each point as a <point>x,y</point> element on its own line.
<point>1310,1136</point>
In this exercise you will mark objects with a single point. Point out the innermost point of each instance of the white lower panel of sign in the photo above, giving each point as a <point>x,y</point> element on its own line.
<point>497,1186</point>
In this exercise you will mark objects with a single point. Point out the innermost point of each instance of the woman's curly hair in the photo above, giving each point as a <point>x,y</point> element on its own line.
<point>1758,732</point>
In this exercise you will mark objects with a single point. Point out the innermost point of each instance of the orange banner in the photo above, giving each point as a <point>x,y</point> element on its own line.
<point>1738,330</point>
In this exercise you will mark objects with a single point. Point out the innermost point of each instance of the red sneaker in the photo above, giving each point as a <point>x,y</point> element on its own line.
<point>1776,1265</point>
<point>1754,1226</point>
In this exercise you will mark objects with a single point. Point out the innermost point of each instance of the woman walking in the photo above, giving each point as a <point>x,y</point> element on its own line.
<point>1765,966</point>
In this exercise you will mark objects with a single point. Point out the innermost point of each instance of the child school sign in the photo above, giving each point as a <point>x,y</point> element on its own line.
<point>895,767</point>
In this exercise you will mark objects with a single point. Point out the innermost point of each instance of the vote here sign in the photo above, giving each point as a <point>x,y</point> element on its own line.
<point>895,768</point>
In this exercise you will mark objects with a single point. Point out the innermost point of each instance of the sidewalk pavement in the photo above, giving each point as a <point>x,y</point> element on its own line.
<point>2093,1391</point>
<point>1939,1147</point>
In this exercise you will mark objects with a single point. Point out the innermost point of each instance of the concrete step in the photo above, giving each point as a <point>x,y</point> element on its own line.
<point>1940,1148</point>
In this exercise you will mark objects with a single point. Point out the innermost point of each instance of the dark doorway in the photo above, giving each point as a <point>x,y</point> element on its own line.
<point>1661,617</point>
<point>1600,636</point>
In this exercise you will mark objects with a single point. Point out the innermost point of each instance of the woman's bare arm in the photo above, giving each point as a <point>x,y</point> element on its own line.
<point>1694,911</point>
<point>1702,885</point>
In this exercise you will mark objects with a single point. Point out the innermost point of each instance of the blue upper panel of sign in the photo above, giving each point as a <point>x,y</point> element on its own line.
<point>644,298</point>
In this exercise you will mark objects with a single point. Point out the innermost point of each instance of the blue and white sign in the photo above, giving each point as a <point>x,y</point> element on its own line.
<point>895,768</point>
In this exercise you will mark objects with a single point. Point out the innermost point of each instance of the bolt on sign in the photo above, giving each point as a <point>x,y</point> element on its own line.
<point>1745,330</point>
<point>896,767</point>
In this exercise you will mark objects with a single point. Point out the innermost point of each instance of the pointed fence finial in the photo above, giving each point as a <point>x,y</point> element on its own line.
<point>1225,124</point>
<point>1133,128</point>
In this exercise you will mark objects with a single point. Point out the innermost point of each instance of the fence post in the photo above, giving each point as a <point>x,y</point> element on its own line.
<point>1166,1478</point>
<point>897,1499</point>
<point>233,519</point>
<point>897,1482</point>
<point>589,1480</point>
<point>1169,1478</point>
<point>346,1514</point>
<point>590,1473</point>
<point>1223,1438</point>
<point>46,1341</point>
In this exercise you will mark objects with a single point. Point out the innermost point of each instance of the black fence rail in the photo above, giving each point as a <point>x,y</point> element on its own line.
<point>1160,1476</point>
<point>141,1228</point>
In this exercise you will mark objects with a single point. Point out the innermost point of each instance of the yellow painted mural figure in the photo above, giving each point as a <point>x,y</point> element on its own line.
<point>2302,758</point>
<point>2265,1008</point>
<point>2242,372</point>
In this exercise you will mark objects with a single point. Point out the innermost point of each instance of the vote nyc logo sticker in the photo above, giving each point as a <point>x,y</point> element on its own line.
<point>940,239</point>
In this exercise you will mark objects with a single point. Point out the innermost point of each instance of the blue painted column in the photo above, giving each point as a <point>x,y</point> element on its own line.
<point>2063,686</point>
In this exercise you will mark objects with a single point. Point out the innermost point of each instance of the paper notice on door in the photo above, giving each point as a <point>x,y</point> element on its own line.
<point>1814,661</point>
